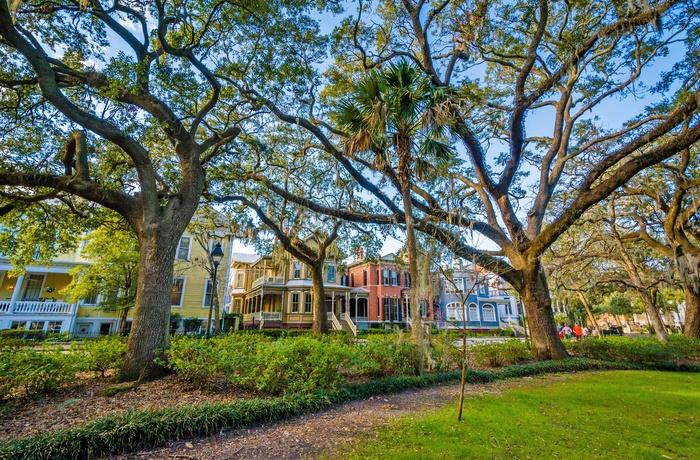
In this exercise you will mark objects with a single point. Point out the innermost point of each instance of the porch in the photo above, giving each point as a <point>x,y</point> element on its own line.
<point>33,301</point>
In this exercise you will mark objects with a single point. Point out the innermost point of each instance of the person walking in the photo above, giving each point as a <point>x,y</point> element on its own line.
<point>578,332</point>
<point>567,332</point>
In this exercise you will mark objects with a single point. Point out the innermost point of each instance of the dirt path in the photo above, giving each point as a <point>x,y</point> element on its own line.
<point>320,433</point>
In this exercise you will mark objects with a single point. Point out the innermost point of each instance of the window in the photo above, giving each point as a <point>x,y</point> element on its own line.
<point>489,313</point>
<point>206,303</point>
<point>331,273</point>
<point>459,283</point>
<point>352,280</point>
<point>423,308</point>
<point>508,309</point>
<point>391,309</point>
<point>183,248</point>
<point>296,269</point>
<point>407,280</point>
<point>240,279</point>
<point>308,303</point>
<point>237,306</point>
<point>32,287</point>
<point>92,300</point>
<point>295,302</point>
<point>453,310</point>
<point>394,278</point>
<point>473,312</point>
<point>385,277</point>
<point>18,324</point>
<point>364,277</point>
<point>177,292</point>
<point>54,327</point>
<point>36,326</point>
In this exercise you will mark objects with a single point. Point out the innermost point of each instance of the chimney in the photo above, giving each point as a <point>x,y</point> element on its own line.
<point>360,254</point>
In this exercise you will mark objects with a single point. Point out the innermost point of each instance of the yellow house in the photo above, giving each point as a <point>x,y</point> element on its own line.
<point>269,296</point>
<point>33,301</point>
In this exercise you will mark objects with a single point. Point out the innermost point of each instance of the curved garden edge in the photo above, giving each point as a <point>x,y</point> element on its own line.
<point>146,429</point>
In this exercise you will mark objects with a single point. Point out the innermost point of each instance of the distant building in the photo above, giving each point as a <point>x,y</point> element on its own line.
<point>34,301</point>
<point>270,295</point>
<point>483,297</point>
<point>380,293</point>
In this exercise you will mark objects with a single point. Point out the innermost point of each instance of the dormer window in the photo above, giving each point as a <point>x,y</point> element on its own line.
<point>331,273</point>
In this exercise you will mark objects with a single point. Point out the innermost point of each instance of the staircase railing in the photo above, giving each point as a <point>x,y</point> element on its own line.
<point>334,320</point>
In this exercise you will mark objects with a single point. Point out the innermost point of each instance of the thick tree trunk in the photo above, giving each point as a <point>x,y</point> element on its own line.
<point>150,326</point>
<point>688,271</point>
<point>319,300</point>
<point>692,313</point>
<point>653,315</point>
<point>538,305</point>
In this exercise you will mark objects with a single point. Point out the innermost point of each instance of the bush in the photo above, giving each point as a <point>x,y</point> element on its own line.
<point>195,361</point>
<point>642,350</point>
<point>22,334</point>
<point>383,356</point>
<point>501,354</point>
<point>99,355</point>
<point>302,364</point>
<point>191,324</point>
<point>687,347</point>
<point>35,372</point>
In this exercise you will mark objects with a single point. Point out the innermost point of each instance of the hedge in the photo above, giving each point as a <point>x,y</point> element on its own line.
<point>151,428</point>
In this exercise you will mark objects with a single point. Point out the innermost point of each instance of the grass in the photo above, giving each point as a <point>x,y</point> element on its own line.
<point>622,414</point>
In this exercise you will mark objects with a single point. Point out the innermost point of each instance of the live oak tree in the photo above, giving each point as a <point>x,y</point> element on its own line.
<point>128,104</point>
<point>598,249</point>
<point>663,203</point>
<point>527,82</point>
<point>280,163</point>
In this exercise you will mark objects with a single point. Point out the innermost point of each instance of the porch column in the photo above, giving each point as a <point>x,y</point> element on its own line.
<point>15,293</point>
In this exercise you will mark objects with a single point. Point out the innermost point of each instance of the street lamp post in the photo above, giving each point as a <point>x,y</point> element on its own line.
<point>216,255</point>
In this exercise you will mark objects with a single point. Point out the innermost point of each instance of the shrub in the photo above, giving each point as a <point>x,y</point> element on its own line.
<point>687,347</point>
<point>191,324</point>
<point>302,364</point>
<point>35,371</point>
<point>195,361</point>
<point>502,353</point>
<point>22,334</point>
<point>383,356</point>
<point>101,354</point>
<point>643,350</point>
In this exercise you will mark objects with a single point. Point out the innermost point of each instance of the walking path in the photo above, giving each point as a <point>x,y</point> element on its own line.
<point>320,434</point>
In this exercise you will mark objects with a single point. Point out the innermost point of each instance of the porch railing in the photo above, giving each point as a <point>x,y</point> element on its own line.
<point>334,320</point>
<point>37,307</point>
<point>268,280</point>
<point>249,317</point>
<point>272,315</point>
<point>351,325</point>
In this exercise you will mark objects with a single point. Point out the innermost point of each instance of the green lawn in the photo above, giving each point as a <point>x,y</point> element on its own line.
<point>628,414</point>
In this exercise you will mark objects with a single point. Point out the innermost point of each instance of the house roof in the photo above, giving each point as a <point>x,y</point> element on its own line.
<point>244,258</point>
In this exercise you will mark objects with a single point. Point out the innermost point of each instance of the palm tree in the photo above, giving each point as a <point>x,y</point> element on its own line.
<point>400,117</point>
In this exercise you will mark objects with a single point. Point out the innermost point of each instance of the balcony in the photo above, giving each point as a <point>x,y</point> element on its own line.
<point>36,307</point>
<point>268,280</point>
